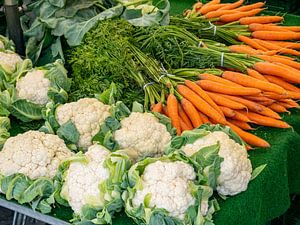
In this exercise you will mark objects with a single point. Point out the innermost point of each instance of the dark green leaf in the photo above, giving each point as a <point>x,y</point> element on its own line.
<point>26,111</point>
<point>68,132</point>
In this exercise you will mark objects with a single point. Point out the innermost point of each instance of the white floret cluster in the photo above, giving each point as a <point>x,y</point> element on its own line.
<point>87,114</point>
<point>143,133</point>
<point>236,168</point>
<point>168,184</point>
<point>34,154</point>
<point>82,180</point>
<point>9,61</point>
<point>34,87</point>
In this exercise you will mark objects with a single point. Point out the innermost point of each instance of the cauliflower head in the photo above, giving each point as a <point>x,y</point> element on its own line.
<point>236,168</point>
<point>168,185</point>
<point>34,154</point>
<point>87,114</point>
<point>9,61</point>
<point>82,180</point>
<point>143,133</point>
<point>34,87</point>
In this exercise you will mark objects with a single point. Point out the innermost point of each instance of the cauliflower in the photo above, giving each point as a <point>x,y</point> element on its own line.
<point>165,188</point>
<point>93,180</point>
<point>236,168</point>
<point>9,61</point>
<point>87,114</point>
<point>161,177</point>
<point>34,87</point>
<point>2,45</point>
<point>34,154</point>
<point>143,133</point>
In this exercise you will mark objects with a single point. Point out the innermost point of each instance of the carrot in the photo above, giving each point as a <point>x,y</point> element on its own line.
<point>267,121</point>
<point>184,117</point>
<point>241,124</point>
<point>266,27</point>
<point>200,104</point>
<point>282,83</point>
<point>260,19</point>
<point>292,28</point>
<point>236,16</point>
<point>204,118</point>
<point>240,117</point>
<point>277,70</point>
<point>165,111</point>
<point>250,7</point>
<point>274,96</point>
<point>172,106</point>
<point>197,89</point>
<point>209,8</point>
<point>293,95</point>
<point>222,101</point>
<point>259,99</point>
<point>255,74</point>
<point>218,13</point>
<point>243,49</point>
<point>252,43</point>
<point>192,112</point>
<point>278,108</point>
<point>249,104</point>
<point>183,125</point>
<point>221,88</point>
<point>233,5</point>
<point>249,138</point>
<point>206,76</point>
<point>278,48</point>
<point>276,35</point>
<point>291,102</point>
<point>227,111</point>
<point>287,62</point>
<point>212,2</point>
<point>157,107</point>
<point>248,81</point>
<point>197,6</point>
<point>287,105</point>
<point>269,113</point>
<point>286,44</point>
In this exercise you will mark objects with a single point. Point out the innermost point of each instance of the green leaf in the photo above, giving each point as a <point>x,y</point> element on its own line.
<point>76,32</point>
<point>58,3</point>
<point>137,107</point>
<point>257,171</point>
<point>57,95</point>
<point>120,111</point>
<point>26,111</point>
<point>167,122</point>
<point>68,132</point>
<point>107,96</point>
<point>72,7</point>
<point>34,49</point>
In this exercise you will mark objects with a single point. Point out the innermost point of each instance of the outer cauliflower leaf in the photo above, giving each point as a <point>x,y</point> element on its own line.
<point>143,133</point>
<point>34,154</point>
<point>87,114</point>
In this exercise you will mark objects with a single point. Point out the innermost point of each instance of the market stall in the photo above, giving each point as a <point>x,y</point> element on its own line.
<point>267,196</point>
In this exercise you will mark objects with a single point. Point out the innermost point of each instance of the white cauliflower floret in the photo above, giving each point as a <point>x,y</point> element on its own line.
<point>236,168</point>
<point>168,184</point>
<point>87,114</point>
<point>82,180</point>
<point>9,61</point>
<point>34,154</point>
<point>143,133</point>
<point>34,87</point>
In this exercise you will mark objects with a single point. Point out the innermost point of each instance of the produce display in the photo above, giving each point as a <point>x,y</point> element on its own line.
<point>126,108</point>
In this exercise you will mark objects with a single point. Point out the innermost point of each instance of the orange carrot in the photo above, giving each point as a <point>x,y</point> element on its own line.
<point>278,108</point>
<point>244,49</point>
<point>241,124</point>
<point>233,5</point>
<point>250,7</point>
<point>206,76</point>
<point>209,8</point>
<point>240,116</point>
<point>204,118</point>
<point>260,19</point>
<point>222,101</point>
<point>212,2</point>
<point>251,43</point>
<point>184,117</point>
<point>286,44</point>
<point>221,88</point>
<point>291,102</point>
<point>276,35</point>
<point>287,62</point>
<point>277,70</point>
<point>183,125</point>
<point>269,113</point>
<point>292,28</point>
<point>259,99</point>
<point>282,83</point>
<point>249,104</point>
<point>278,48</point>
<point>157,107</point>
<point>172,106</point>
<point>248,81</point>
<point>236,16</point>
<point>267,121</point>
<point>192,112</point>
<point>198,90</point>
<point>293,95</point>
<point>227,111</point>
<point>287,105</point>
<point>249,138</point>
<point>266,27</point>
<point>200,104</point>
<point>274,96</point>
<point>218,13</point>
<point>255,74</point>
